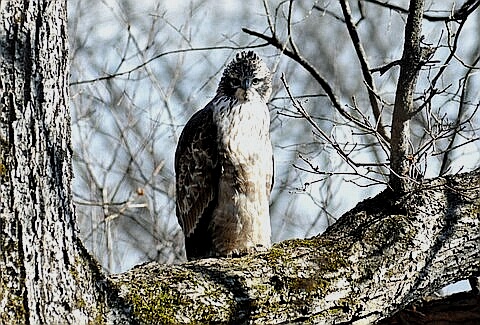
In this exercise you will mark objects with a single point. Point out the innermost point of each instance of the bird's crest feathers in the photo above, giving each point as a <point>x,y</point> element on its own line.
<point>246,64</point>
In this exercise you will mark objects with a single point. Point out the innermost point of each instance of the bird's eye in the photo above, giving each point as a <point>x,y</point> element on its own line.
<point>235,82</point>
<point>255,81</point>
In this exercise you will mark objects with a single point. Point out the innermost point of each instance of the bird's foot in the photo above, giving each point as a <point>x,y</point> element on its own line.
<point>247,251</point>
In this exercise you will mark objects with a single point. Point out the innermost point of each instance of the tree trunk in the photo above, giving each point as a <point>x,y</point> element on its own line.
<point>45,275</point>
<point>384,254</point>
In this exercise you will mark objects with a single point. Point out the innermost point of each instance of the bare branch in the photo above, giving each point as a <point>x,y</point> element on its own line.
<point>432,90</point>
<point>208,48</point>
<point>335,145</point>
<point>451,145</point>
<point>465,10</point>
<point>273,40</point>
<point>403,109</point>
<point>367,76</point>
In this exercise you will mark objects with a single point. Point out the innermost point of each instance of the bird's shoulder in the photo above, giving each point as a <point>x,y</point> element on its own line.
<point>198,131</point>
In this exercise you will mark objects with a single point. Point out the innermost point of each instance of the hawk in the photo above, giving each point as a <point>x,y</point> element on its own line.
<point>224,165</point>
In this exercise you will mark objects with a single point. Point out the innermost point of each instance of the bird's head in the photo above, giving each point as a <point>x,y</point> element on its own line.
<point>245,78</point>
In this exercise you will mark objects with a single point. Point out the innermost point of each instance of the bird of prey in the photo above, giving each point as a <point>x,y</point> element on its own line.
<point>224,166</point>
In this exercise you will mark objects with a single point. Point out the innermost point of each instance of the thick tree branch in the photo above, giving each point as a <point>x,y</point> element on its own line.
<point>384,254</point>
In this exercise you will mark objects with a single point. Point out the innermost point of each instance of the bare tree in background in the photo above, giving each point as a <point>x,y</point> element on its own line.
<point>343,72</point>
<point>413,128</point>
<point>127,114</point>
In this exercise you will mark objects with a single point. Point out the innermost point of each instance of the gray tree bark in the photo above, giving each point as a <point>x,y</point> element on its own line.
<point>387,252</point>
<point>401,155</point>
<point>46,277</point>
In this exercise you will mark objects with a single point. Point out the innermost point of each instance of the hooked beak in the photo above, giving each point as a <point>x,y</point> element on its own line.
<point>246,83</point>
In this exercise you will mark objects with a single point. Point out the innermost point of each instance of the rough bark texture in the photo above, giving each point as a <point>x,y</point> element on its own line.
<point>386,253</point>
<point>46,277</point>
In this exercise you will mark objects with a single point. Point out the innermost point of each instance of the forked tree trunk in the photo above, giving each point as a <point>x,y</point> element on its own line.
<point>385,253</point>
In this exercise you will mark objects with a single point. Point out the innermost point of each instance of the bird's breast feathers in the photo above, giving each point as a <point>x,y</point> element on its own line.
<point>245,155</point>
<point>243,132</point>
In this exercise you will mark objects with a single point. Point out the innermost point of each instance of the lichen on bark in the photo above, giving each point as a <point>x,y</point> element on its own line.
<point>385,253</point>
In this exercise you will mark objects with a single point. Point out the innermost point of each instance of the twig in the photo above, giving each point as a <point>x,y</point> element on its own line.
<point>208,48</point>
<point>367,76</point>
<point>384,68</point>
<point>304,113</point>
<point>467,8</point>
<point>273,40</point>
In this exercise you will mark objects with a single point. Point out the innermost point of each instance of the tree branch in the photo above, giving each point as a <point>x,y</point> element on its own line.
<point>274,41</point>
<point>466,9</point>
<point>378,258</point>
<point>109,76</point>
<point>404,108</point>
<point>367,76</point>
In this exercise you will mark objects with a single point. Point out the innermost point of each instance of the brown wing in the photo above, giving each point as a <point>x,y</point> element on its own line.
<point>271,177</point>
<point>196,169</point>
